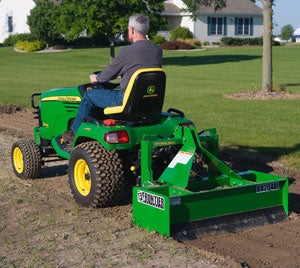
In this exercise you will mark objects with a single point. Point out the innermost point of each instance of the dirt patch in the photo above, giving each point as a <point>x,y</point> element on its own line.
<point>259,95</point>
<point>9,109</point>
<point>41,224</point>
<point>275,245</point>
<point>16,120</point>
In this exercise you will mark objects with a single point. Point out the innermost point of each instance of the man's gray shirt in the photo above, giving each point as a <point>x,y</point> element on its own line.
<point>141,54</point>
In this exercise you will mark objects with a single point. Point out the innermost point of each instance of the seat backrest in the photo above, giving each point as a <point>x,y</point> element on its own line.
<point>143,98</point>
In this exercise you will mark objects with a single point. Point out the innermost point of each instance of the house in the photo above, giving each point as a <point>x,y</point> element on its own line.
<point>240,18</point>
<point>13,17</point>
<point>296,35</point>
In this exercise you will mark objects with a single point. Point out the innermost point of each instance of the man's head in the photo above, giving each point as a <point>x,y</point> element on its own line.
<point>138,25</point>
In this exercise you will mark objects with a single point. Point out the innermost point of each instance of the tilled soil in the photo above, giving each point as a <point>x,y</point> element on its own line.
<point>42,226</point>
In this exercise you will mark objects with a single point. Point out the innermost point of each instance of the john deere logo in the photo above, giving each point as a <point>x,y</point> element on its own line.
<point>151,90</point>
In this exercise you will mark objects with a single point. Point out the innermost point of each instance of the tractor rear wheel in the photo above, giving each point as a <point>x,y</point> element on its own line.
<point>26,159</point>
<point>96,175</point>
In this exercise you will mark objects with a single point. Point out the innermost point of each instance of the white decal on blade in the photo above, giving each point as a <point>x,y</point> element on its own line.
<point>181,157</point>
<point>151,200</point>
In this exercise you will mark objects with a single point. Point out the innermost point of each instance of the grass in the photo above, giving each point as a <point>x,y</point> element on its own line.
<point>196,83</point>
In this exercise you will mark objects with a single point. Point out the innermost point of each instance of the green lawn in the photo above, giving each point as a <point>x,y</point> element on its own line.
<point>196,83</point>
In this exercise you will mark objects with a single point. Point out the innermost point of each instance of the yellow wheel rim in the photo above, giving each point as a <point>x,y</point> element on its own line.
<point>82,177</point>
<point>18,160</point>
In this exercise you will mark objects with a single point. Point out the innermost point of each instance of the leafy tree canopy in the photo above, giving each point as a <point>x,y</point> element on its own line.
<point>41,21</point>
<point>107,17</point>
<point>287,32</point>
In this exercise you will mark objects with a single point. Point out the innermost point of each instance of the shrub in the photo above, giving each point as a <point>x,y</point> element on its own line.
<point>206,43</point>
<point>59,47</point>
<point>29,46</point>
<point>158,39</point>
<point>258,41</point>
<point>229,41</point>
<point>193,42</point>
<point>83,41</point>
<point>175,45</point>
<point>276,43</point>
<point>102,40</point>
<point>169,45</point>
<point>235,41</point>
<point>13,39</point>
<point>21,45</point>
<point>59,42</point>
<point>180,32</point>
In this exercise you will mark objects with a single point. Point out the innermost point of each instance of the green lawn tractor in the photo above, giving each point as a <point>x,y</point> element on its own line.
<point>179,186</point>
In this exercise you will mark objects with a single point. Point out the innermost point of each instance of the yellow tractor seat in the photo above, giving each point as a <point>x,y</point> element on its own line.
<point>143,98</point>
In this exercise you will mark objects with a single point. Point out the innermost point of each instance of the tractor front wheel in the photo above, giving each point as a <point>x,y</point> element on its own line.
<point>26,159</point>
<point>96,175</point>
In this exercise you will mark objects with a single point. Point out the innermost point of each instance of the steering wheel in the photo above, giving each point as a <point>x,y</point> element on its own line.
<point>108,85</point>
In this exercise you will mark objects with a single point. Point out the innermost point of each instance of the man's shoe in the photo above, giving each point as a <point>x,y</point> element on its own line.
<point>68,136</point>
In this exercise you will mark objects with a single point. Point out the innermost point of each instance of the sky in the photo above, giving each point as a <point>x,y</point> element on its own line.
<point>286,12</point>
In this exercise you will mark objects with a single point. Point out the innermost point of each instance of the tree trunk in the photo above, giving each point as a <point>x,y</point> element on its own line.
<point>112,49</point>
<point>267,82</point>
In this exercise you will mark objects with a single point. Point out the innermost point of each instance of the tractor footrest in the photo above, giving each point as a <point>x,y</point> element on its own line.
<point>62,149</point>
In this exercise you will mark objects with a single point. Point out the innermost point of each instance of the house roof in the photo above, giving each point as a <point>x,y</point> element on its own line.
<point>297,32</point>
<point>171,8</point>
<point>232,7</point>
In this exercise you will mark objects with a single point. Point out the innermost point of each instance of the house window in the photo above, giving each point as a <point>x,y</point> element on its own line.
<point>10,24</point>
<point>216,26</point>
<point>243,26</point>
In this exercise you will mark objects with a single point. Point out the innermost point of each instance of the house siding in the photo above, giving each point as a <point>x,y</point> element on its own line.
<point>18,12</point>
<point>199,28</point>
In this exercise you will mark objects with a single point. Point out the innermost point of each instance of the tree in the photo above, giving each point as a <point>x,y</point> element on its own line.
<point>267,69</point>
<point>180,32</point>
<point>107,17</point>
<point>41,21</point>
<point>267,83</point>
<point>287,32</point>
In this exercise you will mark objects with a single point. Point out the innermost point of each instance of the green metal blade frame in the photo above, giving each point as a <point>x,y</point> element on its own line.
<point>176,199</point>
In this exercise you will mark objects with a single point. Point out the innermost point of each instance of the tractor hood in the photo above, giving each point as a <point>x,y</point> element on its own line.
<point>62,94</point>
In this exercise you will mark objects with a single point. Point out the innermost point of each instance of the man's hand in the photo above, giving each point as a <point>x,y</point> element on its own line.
<point>93,78</point>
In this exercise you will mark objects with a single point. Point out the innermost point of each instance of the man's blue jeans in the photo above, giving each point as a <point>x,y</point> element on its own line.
<point>99,97</point>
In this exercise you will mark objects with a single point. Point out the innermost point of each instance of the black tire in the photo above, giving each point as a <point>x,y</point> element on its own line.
<point>96,175</point>
<point>26,159</point>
